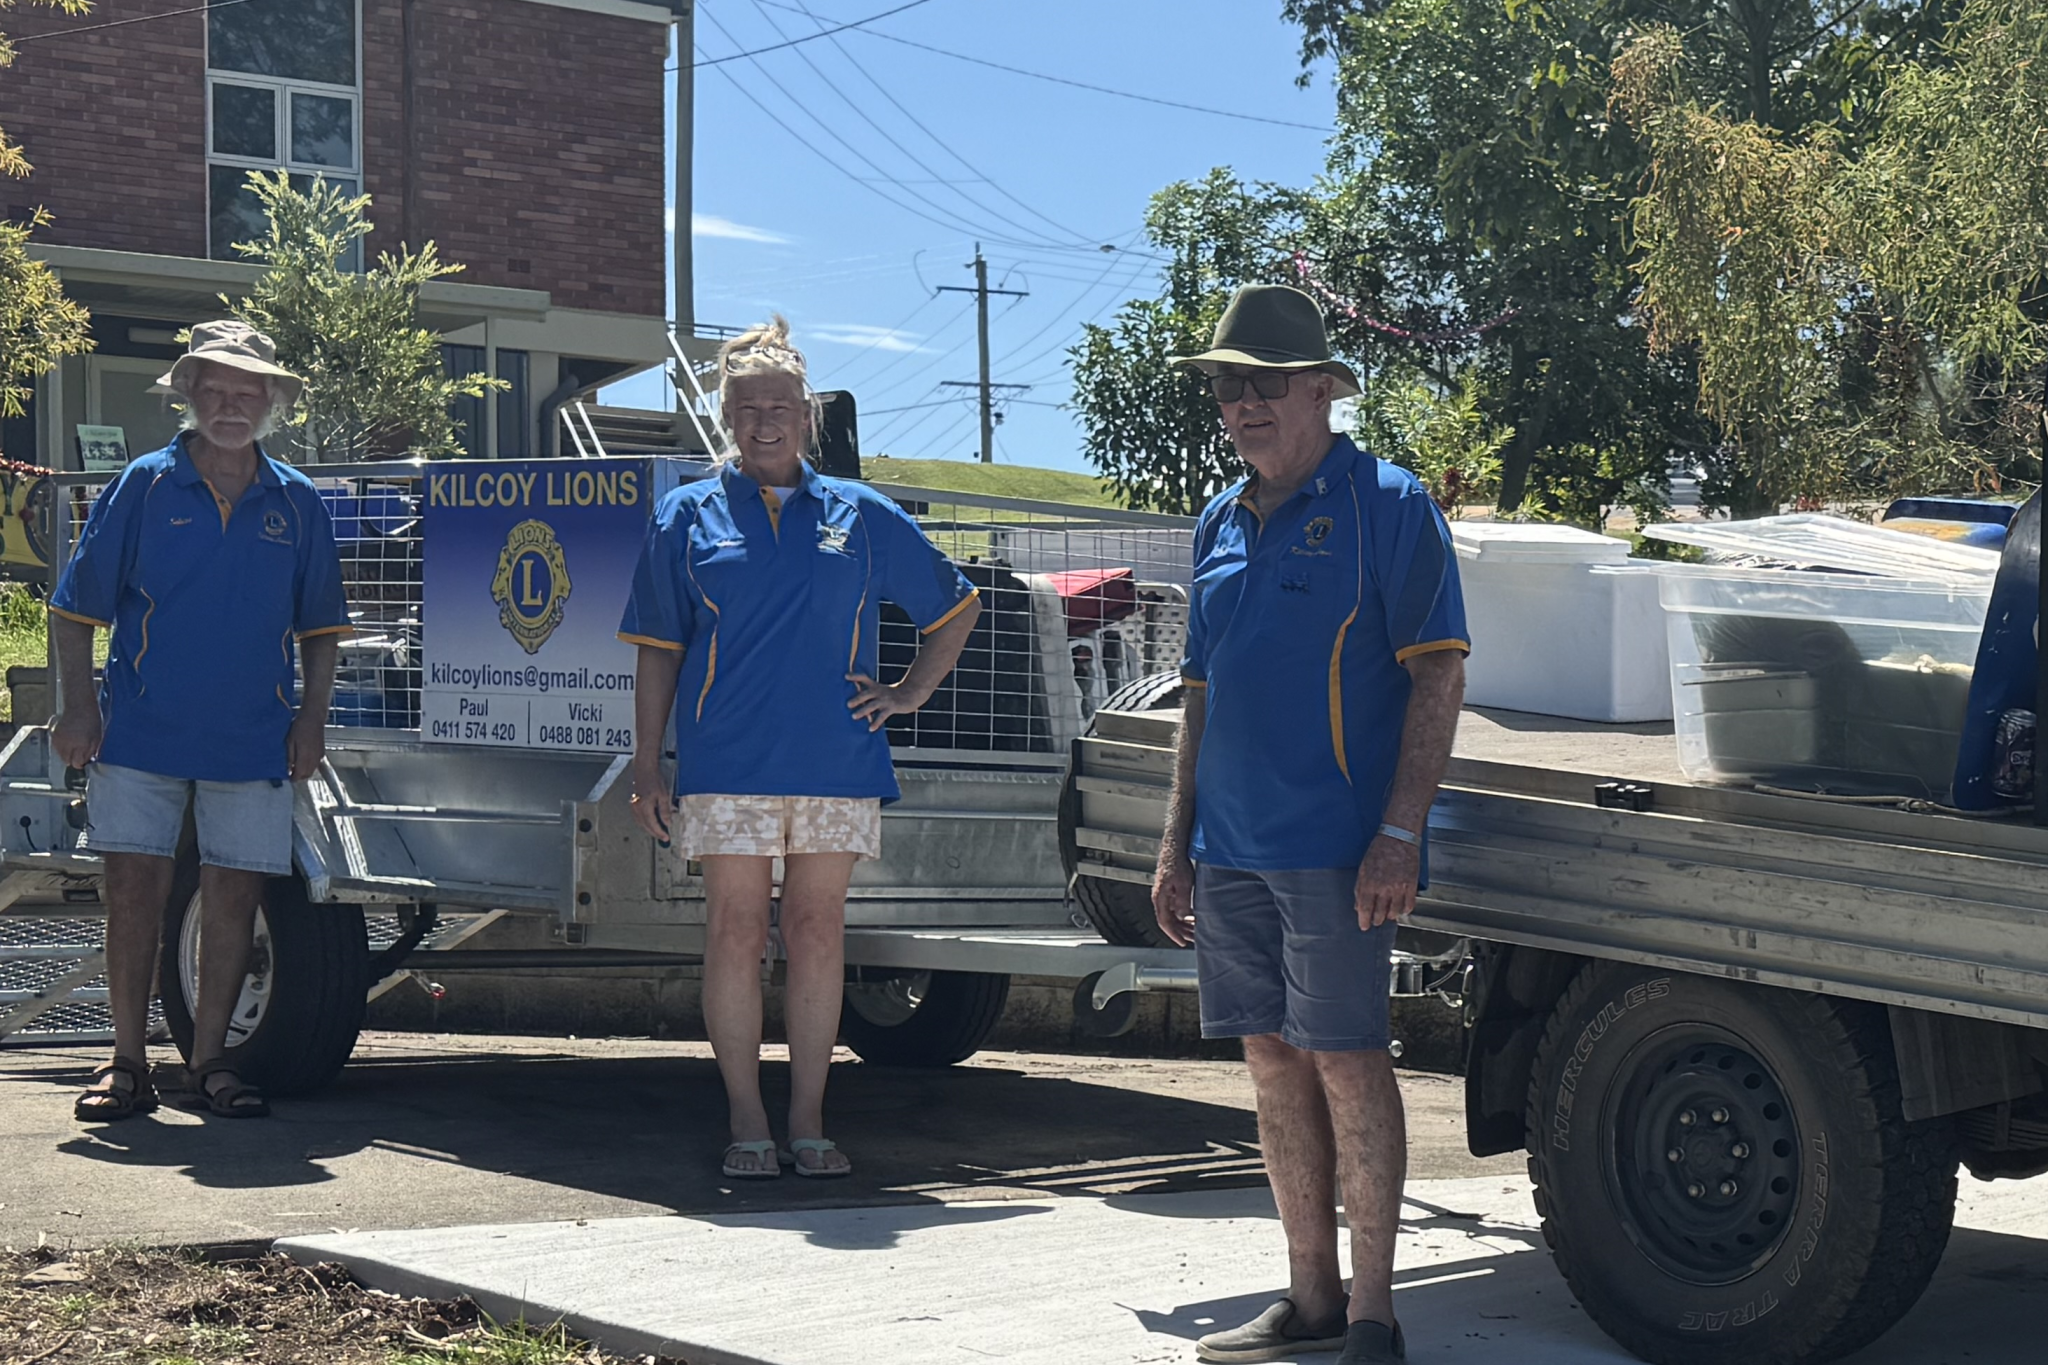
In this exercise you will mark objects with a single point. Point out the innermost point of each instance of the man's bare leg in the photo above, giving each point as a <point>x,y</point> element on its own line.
<point>137,886</point>
<point>736,893</point>
<point>228,897</point>
<point>1301,1164</point>
<point>1372,1165</point>
<point>814,935</point>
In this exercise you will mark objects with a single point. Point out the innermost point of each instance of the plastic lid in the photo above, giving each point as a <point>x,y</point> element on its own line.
<point>1534,543</point>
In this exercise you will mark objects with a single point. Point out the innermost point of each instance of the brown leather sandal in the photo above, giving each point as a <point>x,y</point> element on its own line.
<point>235,1100</point>
<point>113,1102</point>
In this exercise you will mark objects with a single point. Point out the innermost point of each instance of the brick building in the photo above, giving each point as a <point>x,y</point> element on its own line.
<point>527,138</point>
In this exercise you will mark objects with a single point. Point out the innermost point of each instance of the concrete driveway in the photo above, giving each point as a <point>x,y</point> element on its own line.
<point>430,1131</point>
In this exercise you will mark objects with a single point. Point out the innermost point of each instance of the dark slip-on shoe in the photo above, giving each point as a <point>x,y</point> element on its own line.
<point>1276,1334</point>
<point>1373,1343</point>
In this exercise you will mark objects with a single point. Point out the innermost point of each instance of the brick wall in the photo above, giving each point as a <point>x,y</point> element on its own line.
<point>537,141</point>
<point>115,125</point>
<point>535,136</point>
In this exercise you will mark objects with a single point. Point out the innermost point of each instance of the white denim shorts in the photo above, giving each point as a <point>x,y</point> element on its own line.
<point>777,826</point>
<point>246,825</point>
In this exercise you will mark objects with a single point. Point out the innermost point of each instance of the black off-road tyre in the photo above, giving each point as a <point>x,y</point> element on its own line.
<point>1723,1171</point>
<point>1120,911</point>
<point>898,1018</point>
<point>308,984</point>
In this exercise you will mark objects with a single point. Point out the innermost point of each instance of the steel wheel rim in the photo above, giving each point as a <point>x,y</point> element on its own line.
<point>888,1001</point>
<point>1704,1155</point>
<point>254,1001</point>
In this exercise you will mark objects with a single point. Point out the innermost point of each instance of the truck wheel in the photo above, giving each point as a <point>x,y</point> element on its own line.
<point>1723,1172</point>
<point>908,1018</point>
<point>302,1003</point>
<point>1120,911</point>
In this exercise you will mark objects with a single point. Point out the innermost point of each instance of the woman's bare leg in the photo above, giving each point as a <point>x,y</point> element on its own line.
<point>736,893</point>
<point>814,935</point>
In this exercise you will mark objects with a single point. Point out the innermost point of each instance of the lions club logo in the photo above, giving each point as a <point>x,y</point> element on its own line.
<point>273,525</point>
<point>1318,531</point>
<point>532,584</point>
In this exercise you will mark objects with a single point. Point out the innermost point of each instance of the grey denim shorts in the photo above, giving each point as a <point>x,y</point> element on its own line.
<point>1281,952</point>
<point>246,825</point>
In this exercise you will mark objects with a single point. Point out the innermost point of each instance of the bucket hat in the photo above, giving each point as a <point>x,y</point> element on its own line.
<point>236,345</point>
<point>1273,327</point>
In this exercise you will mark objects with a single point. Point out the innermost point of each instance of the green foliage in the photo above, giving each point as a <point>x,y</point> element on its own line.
<point>38,325</point>
<point>1151,427</point>
<point>1866,312</point>
<point>516,1344</point>
<point>375,385</point>
<point>1478,196</point>
<point>1447,440</point>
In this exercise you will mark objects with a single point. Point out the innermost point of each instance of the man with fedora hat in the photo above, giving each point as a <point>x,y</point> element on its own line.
<point>208,561</point>
<point>1324,672</point>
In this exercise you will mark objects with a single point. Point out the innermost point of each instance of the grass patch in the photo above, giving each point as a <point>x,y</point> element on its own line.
<point>995,480</point>
<point>142,1307</point>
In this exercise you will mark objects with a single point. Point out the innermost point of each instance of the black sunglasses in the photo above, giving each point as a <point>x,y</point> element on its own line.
<point>1267,384</point>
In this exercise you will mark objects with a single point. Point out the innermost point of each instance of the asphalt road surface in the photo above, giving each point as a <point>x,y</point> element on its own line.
<point>430,1131</point>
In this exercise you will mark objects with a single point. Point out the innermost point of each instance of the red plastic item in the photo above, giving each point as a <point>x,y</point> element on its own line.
<point>1095,598</point>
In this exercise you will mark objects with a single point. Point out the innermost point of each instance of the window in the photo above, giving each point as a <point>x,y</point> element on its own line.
<point>283,93</point>
<point>514,439</point>
<point>456,362</point>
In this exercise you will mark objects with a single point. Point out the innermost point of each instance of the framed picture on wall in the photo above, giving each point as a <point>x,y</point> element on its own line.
<point>102,447</point>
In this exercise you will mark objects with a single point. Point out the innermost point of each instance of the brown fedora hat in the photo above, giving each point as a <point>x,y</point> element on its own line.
<point>236,345</point>
<point>1273,327</point>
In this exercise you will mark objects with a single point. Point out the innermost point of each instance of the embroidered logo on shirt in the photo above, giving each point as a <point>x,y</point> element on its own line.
<point>531,587</point>
<point>1318,531</point>
<point>181,521</point>
<point>1294,580</point>
<point>274,526</point>
<point>832,539</point>
<point>728,544</point>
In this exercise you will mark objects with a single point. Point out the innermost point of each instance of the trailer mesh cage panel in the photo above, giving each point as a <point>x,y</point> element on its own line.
<point>1076,602</point>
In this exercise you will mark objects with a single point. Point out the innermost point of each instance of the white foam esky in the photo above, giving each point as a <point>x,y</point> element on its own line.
<point>800,219</point>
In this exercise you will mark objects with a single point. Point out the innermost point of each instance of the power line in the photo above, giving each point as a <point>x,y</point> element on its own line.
<point>1079,85</point>
<point>956,223</point>
<point>890,138</point>
<point>777,47</point>
<point>919,124</point>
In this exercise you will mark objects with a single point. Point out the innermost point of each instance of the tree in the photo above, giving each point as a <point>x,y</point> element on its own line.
<point>1151,427</point>
<point>1867,314</point>
<point>39,326</point>
<point>1473,222</point>
<point>375,383</point>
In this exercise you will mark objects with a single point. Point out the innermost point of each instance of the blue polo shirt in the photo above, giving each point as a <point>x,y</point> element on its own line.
<point>1298,627</point>
<point>772,605</point>
<point>206,601</point>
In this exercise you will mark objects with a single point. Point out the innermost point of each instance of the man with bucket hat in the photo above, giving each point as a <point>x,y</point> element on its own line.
<point>208,561</point>
<point>1324,672</point>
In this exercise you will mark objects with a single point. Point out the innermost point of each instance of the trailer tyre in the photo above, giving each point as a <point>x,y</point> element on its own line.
<point>1120,911</point>
<point>1723,1172</point>
<point>906,1018</point>
<point>302,1003</point>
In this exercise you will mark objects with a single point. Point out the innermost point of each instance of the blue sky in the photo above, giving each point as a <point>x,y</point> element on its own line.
<point>1043,174</point>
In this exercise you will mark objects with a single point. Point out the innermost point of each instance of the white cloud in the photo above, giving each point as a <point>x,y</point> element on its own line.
<point>710,225</point>
<point>870,337</point>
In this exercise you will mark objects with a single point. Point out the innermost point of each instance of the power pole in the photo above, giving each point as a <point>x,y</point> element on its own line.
<point>981,291</point>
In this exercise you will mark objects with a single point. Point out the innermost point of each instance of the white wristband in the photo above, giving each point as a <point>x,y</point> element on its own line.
<point>1406,836</point>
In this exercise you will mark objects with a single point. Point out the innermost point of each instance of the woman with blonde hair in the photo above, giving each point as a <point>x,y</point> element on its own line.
<point>756,607</point>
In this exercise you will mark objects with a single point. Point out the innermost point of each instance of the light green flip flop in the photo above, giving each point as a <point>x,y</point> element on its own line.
<point>764,1168</point>
<point>818,1146</point>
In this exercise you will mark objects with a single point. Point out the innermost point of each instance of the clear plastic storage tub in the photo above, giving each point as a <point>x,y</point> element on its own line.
<point>1842,683</point>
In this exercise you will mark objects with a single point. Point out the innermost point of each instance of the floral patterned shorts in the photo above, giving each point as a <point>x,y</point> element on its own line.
<point>776,826</point>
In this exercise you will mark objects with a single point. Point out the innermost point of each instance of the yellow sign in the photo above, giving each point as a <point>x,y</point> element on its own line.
<point>531,586</point>
<point>25,501</point>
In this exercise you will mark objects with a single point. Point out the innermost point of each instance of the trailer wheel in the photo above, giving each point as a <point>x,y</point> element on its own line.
<point>302,1003</point>
<point>1723,1172</point>
<point>909,1018</point>
<point>1120,911</point>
